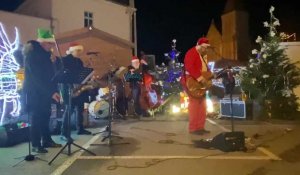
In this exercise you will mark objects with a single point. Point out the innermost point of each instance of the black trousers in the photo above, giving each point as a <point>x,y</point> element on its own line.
<point>40,117</point>
<point>136,93</point>
<point>77,109</point>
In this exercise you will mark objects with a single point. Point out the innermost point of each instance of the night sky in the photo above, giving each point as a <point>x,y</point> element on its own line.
<point>10,5</point>
<point>159,21</point>
<point>186,20</point>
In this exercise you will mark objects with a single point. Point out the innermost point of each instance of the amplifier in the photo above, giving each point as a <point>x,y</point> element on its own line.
<point>240,109</point>
<point>12,134</point>
<point>229,141</point>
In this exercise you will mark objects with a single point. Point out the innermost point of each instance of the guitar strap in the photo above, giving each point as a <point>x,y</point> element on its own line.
<point>205,62</point>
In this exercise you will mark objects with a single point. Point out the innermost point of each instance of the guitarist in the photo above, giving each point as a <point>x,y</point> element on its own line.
<point>195,63</point>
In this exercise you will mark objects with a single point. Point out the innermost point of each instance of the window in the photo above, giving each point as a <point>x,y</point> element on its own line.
<point>88,19</point>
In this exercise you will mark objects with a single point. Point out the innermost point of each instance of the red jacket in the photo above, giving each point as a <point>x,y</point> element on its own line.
<point>193,63</point>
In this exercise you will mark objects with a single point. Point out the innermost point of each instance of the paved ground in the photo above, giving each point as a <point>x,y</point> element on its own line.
<point>163,146</point>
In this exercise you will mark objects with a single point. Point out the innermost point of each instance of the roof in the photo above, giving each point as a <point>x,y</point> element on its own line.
<point>121,2</point>
<point>215,25</point>
<point>86,32</point>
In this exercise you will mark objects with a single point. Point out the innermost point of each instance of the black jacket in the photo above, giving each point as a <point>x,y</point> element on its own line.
<point>38,83</point>
<point>72,67</point>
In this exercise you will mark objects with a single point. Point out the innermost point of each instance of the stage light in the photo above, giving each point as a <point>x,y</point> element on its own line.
<point>175,109</point>
<point>209,103</point>
<point>8,78</point>
<point>184,101</point>
<point>211,66</point>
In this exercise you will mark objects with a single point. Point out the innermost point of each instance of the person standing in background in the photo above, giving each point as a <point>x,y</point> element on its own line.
<point>39,89</point>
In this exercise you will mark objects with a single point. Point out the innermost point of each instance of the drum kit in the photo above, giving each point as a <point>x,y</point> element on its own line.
<point>99,109</point>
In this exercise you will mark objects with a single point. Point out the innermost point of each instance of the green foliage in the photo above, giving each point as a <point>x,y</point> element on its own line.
<point>270,76</point>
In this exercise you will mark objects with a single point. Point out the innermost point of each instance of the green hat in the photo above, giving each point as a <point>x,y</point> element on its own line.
<point>45,35</point>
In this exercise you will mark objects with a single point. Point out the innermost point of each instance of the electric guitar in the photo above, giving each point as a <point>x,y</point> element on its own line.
<point>198,89</point>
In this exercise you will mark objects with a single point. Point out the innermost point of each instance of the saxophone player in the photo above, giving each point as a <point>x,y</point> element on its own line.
<point>73,65</point>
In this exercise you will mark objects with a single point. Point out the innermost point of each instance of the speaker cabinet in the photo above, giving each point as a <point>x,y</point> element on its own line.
<point>240,109</point>
<point>229,141</point>
<point>11,134</point>
<point>150,59</point>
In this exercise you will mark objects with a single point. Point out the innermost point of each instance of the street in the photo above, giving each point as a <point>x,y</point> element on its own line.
<point>162,145</point>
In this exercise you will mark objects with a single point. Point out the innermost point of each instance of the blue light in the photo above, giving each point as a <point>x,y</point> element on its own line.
<point>173,54</point>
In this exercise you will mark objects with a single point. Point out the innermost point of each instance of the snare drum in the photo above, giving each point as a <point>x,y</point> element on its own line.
<point>99,109</point>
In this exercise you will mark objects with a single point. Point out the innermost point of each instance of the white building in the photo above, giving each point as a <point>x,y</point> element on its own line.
<point>292,49</point>
<point>27,25</point>
<point>113,33</point>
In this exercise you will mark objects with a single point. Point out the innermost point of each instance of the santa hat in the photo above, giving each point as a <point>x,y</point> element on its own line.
<point>203,42</point>
<point>134,59</point>
<point>45,35</point>
<point>74,46</point>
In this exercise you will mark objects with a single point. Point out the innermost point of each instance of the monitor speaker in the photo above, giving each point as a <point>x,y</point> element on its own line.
<point>229,141</point>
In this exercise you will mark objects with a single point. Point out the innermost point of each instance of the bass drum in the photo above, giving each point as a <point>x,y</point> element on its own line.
<point>99,109</point>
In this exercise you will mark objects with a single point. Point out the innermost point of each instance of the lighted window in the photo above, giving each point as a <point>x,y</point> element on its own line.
<point>88,19</point>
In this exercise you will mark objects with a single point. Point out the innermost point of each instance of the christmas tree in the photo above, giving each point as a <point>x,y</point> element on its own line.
<point>270,76</point>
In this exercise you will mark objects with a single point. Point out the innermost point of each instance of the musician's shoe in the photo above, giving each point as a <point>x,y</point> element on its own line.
<point>197,132</point>
<point>39,150</point>
<point>200,132</point>
<point>52,144</point>
<point>123,117</point>
<point>84,132</point>
<point>205,131</point>
<point>146,114</point>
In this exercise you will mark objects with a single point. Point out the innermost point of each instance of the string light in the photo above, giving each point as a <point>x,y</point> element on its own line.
<point>286,37</point>
<point>8,79</point>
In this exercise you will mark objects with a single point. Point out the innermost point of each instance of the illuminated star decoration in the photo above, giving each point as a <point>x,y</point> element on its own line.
<point>173,73</point>
<point>173,54</point>
<point>9,97</point>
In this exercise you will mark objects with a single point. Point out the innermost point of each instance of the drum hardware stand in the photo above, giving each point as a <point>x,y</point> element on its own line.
<point>229,87</point>
<point>69,139</point>
<point>112,113</point>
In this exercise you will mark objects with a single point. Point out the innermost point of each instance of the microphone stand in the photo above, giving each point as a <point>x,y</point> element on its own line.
<point>111,115</point>
<point>231,85</point>
<point>29,157</point>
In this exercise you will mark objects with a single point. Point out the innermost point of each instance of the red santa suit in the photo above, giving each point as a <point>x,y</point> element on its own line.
<point>194,66</point>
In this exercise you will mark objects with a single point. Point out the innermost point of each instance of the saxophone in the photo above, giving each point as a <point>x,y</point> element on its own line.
<point>92,84</point>
<point>82,88</point>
